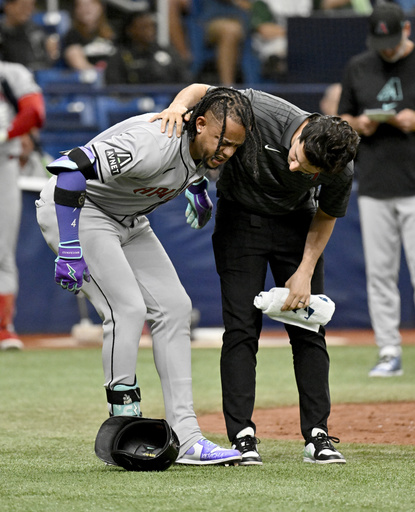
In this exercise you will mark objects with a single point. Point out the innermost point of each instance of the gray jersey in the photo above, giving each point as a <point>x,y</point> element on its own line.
<point>276,190</point>
<point>139,168</point>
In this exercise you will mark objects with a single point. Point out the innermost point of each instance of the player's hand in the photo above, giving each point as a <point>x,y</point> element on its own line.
<point>174,116</point>
<point>70,267</point>
<point>199,209</point>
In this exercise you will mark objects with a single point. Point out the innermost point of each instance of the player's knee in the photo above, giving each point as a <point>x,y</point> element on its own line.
<point>180,305</point>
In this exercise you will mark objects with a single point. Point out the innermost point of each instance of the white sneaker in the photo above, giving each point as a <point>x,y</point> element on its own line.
<point>318,449</point>
<point>387,366</point>
<point>246,443</point>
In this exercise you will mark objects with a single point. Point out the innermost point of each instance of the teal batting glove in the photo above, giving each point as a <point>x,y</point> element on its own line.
<point>199,209</point>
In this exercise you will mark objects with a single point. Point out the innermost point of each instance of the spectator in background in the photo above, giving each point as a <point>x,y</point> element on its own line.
<point>227,24</point>
<point>179,9</point>
<point>23,41</point>
<point>357,6</point>
<point>378,100</point>
<point>140,59</point>
<point>269,23</point>
<point>21,110</point>
<point>91,41</point>
<point>329,102</point>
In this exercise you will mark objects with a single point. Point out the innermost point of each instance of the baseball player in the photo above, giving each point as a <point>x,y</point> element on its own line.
<point>273,217</point>
<point>93,215</point>
<point>21,109</point>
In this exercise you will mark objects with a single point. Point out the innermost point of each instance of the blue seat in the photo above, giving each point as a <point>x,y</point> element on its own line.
<point>57,22</point>
<point>71,112</point>
<point>47,78</point>
<point>112,110</point>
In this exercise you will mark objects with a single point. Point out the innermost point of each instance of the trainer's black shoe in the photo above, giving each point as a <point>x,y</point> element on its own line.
<point>318,449</point>
<point>246,443</point>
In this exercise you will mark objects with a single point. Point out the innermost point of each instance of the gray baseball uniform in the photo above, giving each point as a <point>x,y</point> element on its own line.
<point>132,278</point>
<point>22,83</point>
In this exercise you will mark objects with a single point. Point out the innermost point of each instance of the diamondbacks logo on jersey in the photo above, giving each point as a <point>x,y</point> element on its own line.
<point>390,93</point>
<point>117,160</point>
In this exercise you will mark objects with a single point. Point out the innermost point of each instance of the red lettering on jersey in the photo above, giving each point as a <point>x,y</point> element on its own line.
<point>161,192</point>
<point>143,190</point>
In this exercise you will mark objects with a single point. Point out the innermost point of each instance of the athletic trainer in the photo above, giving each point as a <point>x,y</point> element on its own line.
<point>281,213</point>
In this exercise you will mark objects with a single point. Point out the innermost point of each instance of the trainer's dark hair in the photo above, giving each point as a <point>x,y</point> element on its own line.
<point>330,143</point>
<point>226,102</point>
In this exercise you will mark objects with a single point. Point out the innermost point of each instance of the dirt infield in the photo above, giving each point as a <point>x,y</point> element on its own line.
<point>386,423</point>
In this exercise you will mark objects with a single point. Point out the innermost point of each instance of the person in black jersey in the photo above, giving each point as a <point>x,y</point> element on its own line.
<point>271,215</point>
<point>378,100</point>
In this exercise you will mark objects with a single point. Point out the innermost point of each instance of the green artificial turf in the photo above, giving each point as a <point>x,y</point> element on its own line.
<point>53,402</point>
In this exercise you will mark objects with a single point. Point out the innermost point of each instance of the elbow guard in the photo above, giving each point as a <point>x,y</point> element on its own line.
<point>71,198</point>
<point>77,159</point>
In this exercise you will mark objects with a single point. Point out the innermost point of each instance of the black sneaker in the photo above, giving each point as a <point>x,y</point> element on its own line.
<point>318,449</point>
<point>246,443</point>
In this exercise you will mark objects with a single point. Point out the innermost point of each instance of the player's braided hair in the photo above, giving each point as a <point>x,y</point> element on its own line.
<point>330,143</point>
<point>226,102</point>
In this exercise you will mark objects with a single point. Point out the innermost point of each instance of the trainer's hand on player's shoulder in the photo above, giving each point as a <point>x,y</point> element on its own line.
<point>174,116</point>
<point>70,267</point>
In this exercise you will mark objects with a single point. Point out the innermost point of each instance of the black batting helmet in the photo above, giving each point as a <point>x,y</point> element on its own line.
<point>137,444</point>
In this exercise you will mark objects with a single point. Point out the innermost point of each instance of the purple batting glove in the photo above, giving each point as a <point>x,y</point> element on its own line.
<point>199,209</point>
<point>70,267</point>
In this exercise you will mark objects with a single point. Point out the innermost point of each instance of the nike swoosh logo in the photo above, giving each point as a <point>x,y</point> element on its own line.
<point>270,148</point>
<point>169,169</point>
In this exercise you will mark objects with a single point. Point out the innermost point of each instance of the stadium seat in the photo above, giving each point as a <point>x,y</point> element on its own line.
<point>112,110</point>
<point>72,112</point>
<point>57,22</point>
<point>50,78</point>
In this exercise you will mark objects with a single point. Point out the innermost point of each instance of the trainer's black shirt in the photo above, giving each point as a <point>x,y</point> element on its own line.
<point>276,190</point>
<point>385,161</point>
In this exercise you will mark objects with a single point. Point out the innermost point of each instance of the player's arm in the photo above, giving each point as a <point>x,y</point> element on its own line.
<point>173,114</point>
<point>30,114</point>
<point>72,170</point>
<point>299,283</point>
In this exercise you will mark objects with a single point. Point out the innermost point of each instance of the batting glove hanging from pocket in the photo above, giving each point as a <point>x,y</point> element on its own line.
<point>70,267</point>
<point>199,209</point>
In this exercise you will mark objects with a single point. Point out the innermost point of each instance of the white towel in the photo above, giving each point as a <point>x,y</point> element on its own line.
<point>319,312</point>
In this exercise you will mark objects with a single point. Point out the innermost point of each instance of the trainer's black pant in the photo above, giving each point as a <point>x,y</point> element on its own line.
<point>244,244</point>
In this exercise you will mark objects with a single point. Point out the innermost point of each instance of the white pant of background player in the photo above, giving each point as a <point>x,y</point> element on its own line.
<point>387,224</point>
<point>133,280</point>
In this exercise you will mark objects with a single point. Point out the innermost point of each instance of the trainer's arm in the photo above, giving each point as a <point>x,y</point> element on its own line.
<point>184,100</point>
<point>299,283</point>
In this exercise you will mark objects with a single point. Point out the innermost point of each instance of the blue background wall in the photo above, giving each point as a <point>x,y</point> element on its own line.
<point>43,307</point>
<point>319,47</point>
